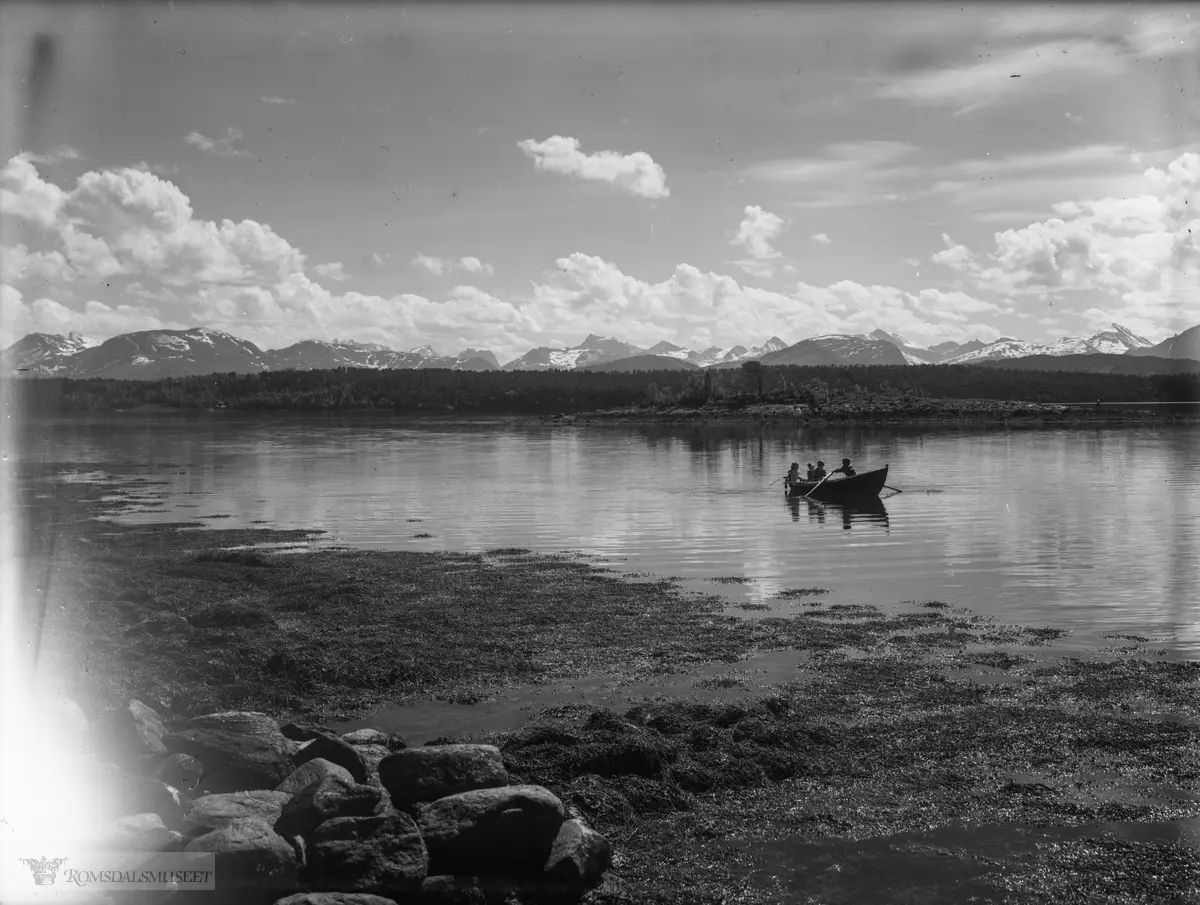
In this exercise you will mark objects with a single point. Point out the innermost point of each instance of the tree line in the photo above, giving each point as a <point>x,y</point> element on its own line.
<point>568,392</point>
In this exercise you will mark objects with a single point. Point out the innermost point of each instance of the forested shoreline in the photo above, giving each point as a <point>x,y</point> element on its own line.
<point>570,392</point>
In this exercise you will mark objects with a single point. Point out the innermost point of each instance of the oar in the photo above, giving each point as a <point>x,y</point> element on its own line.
<point>890,487</point>
<point>819,483</point>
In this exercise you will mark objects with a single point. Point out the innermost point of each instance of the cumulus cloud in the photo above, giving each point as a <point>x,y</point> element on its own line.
<point>1141,251</point>
<point>954,256</point>
<point>21,267</point>
<point>157,169</point>
<point>698,309</point>
<point>277,100</point>
<point>474,265</point>
<point>636,172</point>
<point>226,146</point>
<point>332,271</point>
<point>181,270</point>
<point>754,235</point>
<point>439,266</point>
<point>822,238</point>
<point>19,317</point>
<point>430,263</point>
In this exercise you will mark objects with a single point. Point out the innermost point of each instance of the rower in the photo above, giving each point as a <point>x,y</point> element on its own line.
<point>847,469</point>
<point>793,475</point>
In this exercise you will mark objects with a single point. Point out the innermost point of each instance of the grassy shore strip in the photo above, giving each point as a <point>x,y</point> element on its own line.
<point>888,411</point>
<point>919,728</point>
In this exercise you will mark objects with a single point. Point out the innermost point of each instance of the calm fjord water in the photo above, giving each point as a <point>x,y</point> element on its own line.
<point>1092,529</point>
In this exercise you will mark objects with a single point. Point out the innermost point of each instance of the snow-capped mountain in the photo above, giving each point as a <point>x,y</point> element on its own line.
<point>154,354</point>
<point>1005,347</point>
<point>917,355</point>
<point>315,355</point>
<point>912,354</point>
<point>593,350</point>
<point>1117,341</point>
<point>44,353</point>
<point>715,355</point>
<point>837,349</point>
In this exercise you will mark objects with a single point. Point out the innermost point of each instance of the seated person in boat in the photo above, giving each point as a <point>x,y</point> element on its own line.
<point>793,475</point>
<point>847,469</point>
<point>819,472</point>
<point>810,471</point>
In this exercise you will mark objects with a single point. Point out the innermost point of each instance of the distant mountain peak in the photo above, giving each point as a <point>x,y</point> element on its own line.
<point>664,346</point>
<point>592,340</point>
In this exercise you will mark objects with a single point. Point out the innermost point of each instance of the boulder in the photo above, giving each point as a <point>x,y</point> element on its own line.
<point>326,799</point>
<point>182,771</point>
<point>372,756</point>
<point>313,771</point>
<point>509,831</point>
<point>249,855</point>
<point>335,898</point>
<point>120,793</point>
<point>579,854</point>
<point>239,750</point>
<point>303,732</point>
<point>221,809</point>
<point>134,731</point>
<point>366,737</point>
<point>135,833</point>
<point>427,774</point>
<point>383,855</point>
<point>336,751</point>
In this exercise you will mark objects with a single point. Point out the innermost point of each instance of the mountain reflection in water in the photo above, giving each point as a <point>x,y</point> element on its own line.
<point>1095,529</point>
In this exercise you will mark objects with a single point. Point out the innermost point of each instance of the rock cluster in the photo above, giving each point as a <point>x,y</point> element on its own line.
<point>300,815</point>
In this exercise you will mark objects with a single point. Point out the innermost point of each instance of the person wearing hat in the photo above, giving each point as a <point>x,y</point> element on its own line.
<point>847,469</point>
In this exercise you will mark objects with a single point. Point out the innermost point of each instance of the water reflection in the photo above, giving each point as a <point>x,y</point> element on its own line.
<point>1096,529</point>
<point>866,513</point>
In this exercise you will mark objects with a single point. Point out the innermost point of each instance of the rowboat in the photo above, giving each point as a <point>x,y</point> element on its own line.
<point>837,489</point>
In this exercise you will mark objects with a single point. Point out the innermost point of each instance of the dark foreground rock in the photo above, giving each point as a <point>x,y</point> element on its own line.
<point>383,855</point>
<point>579,854</point>
<point>249,856</point>
<point>507,831</point>
<point>239,750</point>
<point>417,775</point>
<point>336,751</point>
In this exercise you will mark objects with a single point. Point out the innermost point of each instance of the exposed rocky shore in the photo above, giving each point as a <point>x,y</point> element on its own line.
<point>886,410</point>
<point>926,754</point>
<point>297,814</point>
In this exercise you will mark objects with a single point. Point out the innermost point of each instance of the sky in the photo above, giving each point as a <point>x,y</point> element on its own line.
<point>509,176</point>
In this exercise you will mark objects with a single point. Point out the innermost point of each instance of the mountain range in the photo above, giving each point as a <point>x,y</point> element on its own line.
<point>156,354</point>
